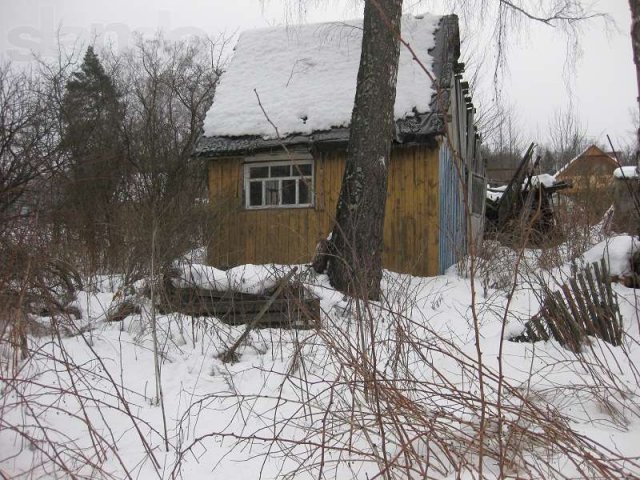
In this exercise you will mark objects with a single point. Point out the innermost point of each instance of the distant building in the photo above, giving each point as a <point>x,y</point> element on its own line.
<point>589,172</point>
<point>590,175</point>
<point>501,168</point>
<point>626,195</point>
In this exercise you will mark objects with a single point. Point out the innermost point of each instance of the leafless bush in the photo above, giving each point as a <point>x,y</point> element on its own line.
<point>81,394</point>
<point>154,213</point>
<point>127,183</point>
<point>363,406</point>
<point>567,138</point>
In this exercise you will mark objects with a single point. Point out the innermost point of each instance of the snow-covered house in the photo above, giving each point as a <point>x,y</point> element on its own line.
<point>275,141</point>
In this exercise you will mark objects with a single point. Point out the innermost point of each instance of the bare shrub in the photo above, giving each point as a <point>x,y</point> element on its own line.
<point>53,243</point>
<point>383,390</point>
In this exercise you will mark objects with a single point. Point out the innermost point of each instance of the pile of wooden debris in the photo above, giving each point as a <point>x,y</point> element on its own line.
<point>524,208</point>
<point>286,304</point>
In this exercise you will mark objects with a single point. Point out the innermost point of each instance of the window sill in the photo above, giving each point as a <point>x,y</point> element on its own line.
<point>279,207</point>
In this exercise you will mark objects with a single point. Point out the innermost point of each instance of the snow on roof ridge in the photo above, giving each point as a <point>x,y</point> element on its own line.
<point>305,77</point>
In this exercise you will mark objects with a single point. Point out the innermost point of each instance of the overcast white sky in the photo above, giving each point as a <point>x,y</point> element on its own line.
<point>602,88</point>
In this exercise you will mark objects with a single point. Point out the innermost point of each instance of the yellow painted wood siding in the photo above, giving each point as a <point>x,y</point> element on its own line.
<point>290,235</point>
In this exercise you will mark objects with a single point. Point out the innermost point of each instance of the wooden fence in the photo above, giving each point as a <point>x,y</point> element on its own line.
<point>584,306</point>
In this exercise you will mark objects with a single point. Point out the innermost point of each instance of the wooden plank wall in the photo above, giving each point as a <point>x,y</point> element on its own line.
<point>460,159</point>
<point>290,235</point>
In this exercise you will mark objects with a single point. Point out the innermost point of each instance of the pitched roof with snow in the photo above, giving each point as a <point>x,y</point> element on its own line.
<point>304,77</point>
<point>590,151</point>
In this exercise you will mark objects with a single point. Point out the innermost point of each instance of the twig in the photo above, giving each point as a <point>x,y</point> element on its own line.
<point>230,354</point>
<point>271,123</point>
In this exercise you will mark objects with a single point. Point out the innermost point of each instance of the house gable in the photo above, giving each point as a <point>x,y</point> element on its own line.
<point>590,172</point>
<point>593,161</point>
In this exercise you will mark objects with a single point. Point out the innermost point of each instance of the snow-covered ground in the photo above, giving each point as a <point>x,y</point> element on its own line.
<point>420,385</point>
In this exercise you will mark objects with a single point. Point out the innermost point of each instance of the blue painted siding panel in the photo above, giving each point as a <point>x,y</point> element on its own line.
<point>452,216</point>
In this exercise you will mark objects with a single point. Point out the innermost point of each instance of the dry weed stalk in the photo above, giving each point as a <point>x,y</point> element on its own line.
<point>379,389</point>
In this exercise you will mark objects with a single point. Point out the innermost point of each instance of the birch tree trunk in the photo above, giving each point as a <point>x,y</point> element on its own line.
<point>635,45</point>
<point>356,245</point>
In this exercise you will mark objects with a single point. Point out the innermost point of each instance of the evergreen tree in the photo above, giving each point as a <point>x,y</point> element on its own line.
<point>92,116</point>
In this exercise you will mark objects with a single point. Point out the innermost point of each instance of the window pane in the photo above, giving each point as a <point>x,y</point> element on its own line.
<point>279,184</point>
<point>258,172</point>
<point>281,171</point>
<point>271,192</point>
<point>288,192</point>
<point>300,170</point>
<point>477,194</point>
<point>304,191</point>
<point>255,194</point>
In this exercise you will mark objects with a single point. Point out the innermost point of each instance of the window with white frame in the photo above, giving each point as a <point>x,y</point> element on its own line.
<point>285,184</point>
